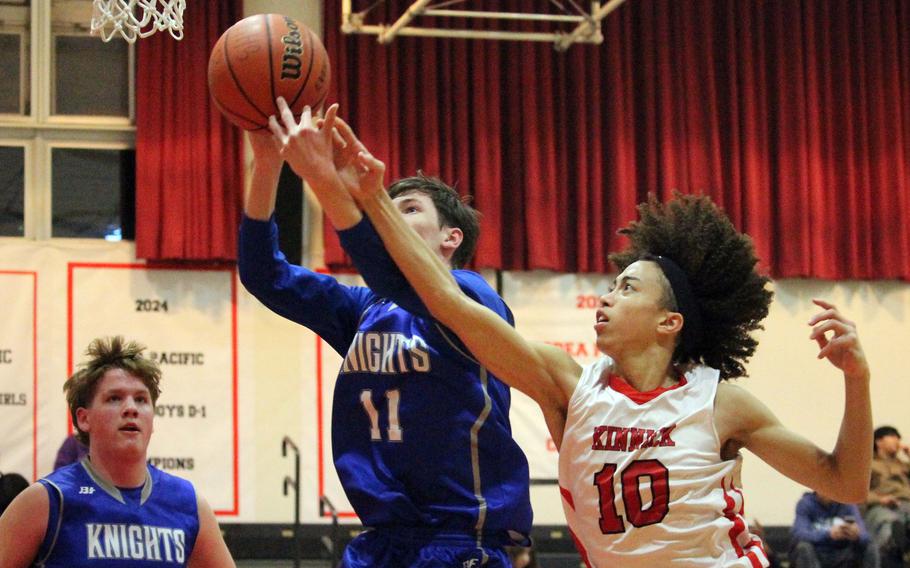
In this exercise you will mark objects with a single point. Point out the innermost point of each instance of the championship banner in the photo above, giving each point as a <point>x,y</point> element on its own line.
<point>558,309</point>
<point>19,373</point>
<point>187,319</point>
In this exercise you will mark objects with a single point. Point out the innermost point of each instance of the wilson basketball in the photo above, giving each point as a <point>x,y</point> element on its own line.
<point>261,58</point>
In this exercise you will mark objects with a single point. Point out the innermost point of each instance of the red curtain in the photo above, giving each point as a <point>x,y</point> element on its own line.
<point>794,116</point>
<point>189,160</point>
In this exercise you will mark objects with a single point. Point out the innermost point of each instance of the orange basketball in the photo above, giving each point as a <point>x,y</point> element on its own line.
<point>261,58</point>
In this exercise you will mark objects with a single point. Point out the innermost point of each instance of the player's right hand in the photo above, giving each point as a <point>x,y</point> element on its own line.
<point>306,144</point>
<point>266,149</point>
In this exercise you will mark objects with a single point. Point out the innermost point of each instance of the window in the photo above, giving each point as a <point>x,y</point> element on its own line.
<point>67,164</point>
<point>92,189</point>
<point>91,77</point>
<point>14,63</point>
<point>12,191</point>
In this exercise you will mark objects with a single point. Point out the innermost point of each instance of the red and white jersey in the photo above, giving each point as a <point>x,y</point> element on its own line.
<point>642,480</point>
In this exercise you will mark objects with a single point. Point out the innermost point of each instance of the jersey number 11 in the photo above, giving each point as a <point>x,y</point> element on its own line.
<point>394,431</point>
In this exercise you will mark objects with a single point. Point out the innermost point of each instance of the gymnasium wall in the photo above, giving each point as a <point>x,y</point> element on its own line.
<point>237,379</point>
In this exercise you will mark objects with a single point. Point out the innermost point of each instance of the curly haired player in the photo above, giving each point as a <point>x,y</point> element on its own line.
<point>650,434</point>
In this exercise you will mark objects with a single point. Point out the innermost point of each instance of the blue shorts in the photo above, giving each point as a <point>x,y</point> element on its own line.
<point>418,548</point>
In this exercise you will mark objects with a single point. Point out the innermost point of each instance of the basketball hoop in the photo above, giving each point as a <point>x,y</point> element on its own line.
<point>132,19</point>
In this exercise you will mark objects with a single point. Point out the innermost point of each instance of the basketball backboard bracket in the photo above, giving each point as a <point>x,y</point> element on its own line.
<point>586,24</point>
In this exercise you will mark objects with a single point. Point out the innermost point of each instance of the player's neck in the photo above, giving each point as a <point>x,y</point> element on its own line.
<point>647,370</point>
<point>123,472</point>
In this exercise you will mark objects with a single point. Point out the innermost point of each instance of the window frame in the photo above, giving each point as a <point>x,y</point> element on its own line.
<point>39,132</point>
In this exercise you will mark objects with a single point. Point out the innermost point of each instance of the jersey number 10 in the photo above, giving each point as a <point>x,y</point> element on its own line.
<point>394,431</point>
<point>658,475</point>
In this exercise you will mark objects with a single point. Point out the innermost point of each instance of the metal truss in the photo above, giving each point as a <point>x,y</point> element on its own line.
<point>586,24</point>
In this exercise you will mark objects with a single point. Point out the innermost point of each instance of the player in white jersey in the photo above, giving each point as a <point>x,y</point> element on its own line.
<point>649,436</point>
<point>112,509</point>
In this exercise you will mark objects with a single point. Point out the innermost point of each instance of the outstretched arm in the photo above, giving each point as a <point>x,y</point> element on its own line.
<point>325,159</point>
<point>545,373</point>
<point>291,291</point>
<point>843,473</point>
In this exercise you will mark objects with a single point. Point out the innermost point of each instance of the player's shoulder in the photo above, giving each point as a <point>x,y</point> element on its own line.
<point>470,280</point>
<point>179,493</point>
<point>32,503</point>
<point>738,413</point>
<point>477,287</point>
<point>163,478</point>
<point>65,476</point>
<point>734,396</point>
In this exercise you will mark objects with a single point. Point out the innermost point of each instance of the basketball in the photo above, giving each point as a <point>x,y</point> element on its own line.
<point>261,58</point>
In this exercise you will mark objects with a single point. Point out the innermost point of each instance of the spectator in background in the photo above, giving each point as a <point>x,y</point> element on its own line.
<point>888,504</point>
<point>522,557</point>
<point>830,534</point>
<point>759,530</point>
<point>11,484</point>
<point>71,451</point>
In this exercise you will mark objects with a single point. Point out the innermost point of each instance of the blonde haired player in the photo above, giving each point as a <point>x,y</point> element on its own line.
<point>649,435</point>
<point>112,509</point>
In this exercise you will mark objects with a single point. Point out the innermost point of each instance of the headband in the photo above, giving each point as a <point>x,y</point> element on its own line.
<point>685,302</point>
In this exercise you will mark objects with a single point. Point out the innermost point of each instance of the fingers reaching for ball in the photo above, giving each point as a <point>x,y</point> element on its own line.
<point>306,144</point>
<point>325,150</point>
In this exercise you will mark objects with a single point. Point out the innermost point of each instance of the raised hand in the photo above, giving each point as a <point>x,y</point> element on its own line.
<point>842,349</point>
<point>307,145</point>
<point>361,173</point>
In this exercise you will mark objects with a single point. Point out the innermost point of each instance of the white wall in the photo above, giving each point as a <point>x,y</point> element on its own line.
<point>806,394</point>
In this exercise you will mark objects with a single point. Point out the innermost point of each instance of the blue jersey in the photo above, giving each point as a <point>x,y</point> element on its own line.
<point>92,523</point>
<point>420,430</point>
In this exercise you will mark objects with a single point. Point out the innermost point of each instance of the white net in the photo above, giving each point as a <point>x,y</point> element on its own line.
<point>133,19</point>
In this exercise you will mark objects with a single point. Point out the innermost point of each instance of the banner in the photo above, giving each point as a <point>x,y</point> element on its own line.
<point>187,320</point>
<point>19,372</point>
<point>557,309</point>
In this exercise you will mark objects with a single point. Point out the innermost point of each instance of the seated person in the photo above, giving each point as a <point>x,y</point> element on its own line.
<point>71,451</point>
<point>11,484</point>
<point>827,533</point>
<point>888,504</point>
<point>522,557</point>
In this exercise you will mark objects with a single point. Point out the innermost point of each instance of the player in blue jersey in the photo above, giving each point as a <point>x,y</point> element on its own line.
<point>112,509</point>
<point>420,431</point>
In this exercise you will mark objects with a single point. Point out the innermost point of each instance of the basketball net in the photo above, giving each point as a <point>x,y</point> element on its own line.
<point>133,19</point>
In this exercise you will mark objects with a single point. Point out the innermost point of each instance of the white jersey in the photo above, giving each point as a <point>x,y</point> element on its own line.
<point>642,480</point>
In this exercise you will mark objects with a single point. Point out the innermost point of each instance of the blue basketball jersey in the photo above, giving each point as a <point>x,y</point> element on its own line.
<point>92,523</point>
<point>420,430</point>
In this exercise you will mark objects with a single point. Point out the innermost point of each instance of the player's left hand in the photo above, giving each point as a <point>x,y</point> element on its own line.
<point>347,148</point>
<point>361,173</point>
<point>372,172</point>
<point>838,341</point>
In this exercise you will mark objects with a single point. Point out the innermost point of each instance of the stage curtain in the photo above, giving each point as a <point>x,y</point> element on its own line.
<point>794,116</point>
<point>189,161</point>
